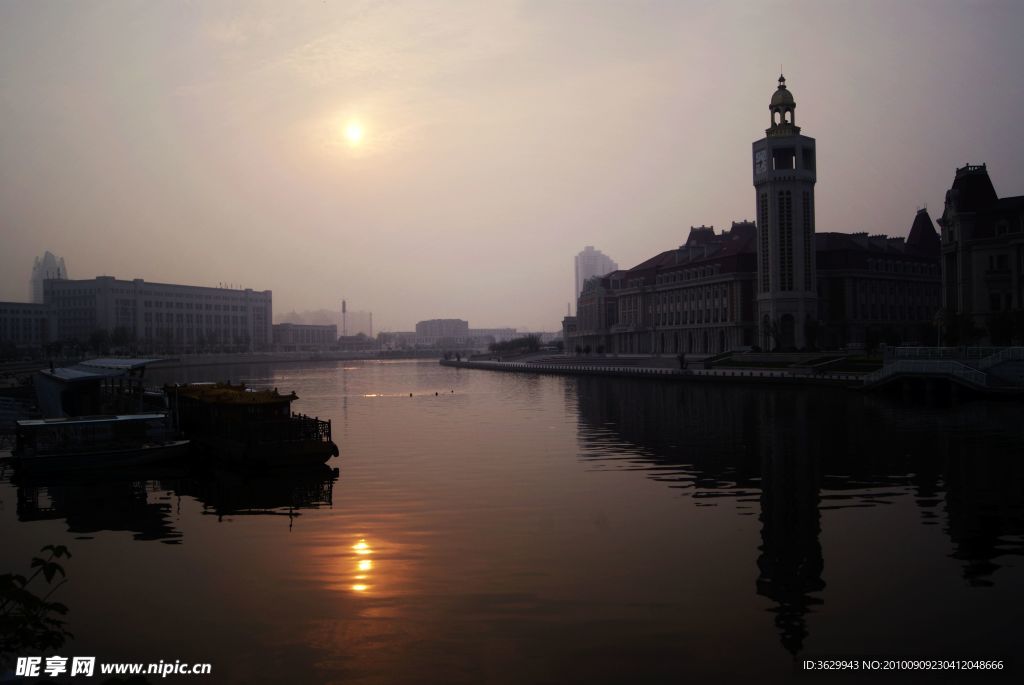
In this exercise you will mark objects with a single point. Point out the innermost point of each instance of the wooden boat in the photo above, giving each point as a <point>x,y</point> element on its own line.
<point>249,426</point>
<point>91,442</point>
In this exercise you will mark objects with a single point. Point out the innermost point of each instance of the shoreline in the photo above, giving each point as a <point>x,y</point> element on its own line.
<point>746,376</point>
<point>280,358</point>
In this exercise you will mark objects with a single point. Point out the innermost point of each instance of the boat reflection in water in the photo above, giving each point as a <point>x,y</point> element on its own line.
<point>147,501</point>
<point>794,456</point>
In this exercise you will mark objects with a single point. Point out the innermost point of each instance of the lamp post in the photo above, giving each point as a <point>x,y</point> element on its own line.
<point>939,320</point>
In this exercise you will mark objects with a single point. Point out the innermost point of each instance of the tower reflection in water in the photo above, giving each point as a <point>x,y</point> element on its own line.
<point>797,451</point>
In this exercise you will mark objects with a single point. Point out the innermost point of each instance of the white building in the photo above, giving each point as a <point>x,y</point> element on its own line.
<point>590,263</point>
<point>180,317</point>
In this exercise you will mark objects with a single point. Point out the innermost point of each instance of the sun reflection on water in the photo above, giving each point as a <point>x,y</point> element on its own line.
<point>363,566</point>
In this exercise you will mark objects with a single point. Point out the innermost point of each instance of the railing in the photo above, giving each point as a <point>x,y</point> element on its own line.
<point>959,353</point>
<point>298,428</point>
<point>946,367</point>
<point>1006,354</point>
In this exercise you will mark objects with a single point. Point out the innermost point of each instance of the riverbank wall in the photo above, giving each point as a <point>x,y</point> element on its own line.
<point>745,376</point>
<point>282,358</point>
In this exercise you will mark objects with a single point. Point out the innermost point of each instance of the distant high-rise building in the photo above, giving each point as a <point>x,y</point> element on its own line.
<point>47,266</point>
<point>590,263</point>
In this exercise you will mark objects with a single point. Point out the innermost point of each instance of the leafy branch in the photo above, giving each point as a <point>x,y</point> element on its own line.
<point>30,621</point>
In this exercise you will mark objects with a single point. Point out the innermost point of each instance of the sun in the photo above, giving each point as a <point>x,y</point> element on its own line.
<point>354,133</point>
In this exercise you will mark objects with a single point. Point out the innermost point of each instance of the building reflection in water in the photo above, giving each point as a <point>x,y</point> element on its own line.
<point>811,449</point>
<point>90,503</point>
<point>790,562</point>
<point>146,501</point>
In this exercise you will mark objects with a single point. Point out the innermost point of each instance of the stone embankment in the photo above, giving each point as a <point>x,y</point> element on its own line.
<point>635,368</point>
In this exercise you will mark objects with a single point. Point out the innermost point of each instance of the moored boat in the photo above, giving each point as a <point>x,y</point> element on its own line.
<point>90,442</point>
<point>248,426</point>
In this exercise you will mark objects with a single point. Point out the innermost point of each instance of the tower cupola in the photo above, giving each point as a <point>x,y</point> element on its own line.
<point>783,109</point>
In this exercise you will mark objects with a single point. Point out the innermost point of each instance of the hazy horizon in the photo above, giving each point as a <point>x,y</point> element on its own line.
<point>448,160</point>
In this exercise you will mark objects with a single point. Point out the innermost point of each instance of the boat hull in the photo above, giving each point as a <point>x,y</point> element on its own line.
<point>293,453</point>
<point>103,458</point>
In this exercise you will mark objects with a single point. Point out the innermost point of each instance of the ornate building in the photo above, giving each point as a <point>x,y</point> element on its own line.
<point>982,261</point>
<point>776,284</point>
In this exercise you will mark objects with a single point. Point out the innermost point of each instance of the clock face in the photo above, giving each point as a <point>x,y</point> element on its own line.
<point>760,161</point>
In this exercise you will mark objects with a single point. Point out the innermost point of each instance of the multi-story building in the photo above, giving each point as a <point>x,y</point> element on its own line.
<point>23,325</point>
<point>874,289</point>
<point>982,261</point>
<point>697,298</point>
<point>294,337</point>
<point>47,266</point>
<point>160,315</point>
<point>776,284</point>
<point>590,263</point>
<point>442,332</point>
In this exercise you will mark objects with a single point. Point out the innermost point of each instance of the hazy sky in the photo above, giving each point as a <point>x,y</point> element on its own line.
<point>205,142</point>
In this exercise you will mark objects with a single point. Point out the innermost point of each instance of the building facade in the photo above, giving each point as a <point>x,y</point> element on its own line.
<point>590,263</point>
<point>982,261</point>
<point>296,337</point>
<point>442,333</point>
<point>160,315</point>
<point>875,289</point>
<point>23,325</point>
<point>776,284</point>
<point>697,298</point>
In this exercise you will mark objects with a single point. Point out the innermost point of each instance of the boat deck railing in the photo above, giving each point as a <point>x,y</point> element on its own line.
<point>298,428</point>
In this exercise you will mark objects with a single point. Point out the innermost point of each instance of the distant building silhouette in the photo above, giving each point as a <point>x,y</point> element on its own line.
<point>357,321</point>
<point>777,284</point>
<point>297,337</point>
<point>495,334</point>
<point>47,266</point>
<point>443,332</point>
<point>982,261</point>
<point>590,263</point>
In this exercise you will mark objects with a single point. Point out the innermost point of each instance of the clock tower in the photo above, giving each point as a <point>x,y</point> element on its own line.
<point>784,177</point>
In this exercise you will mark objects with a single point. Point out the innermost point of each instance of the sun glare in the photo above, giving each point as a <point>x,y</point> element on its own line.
<point>354,132</point>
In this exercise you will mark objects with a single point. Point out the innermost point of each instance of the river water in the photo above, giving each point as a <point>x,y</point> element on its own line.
<point>484,527</point>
